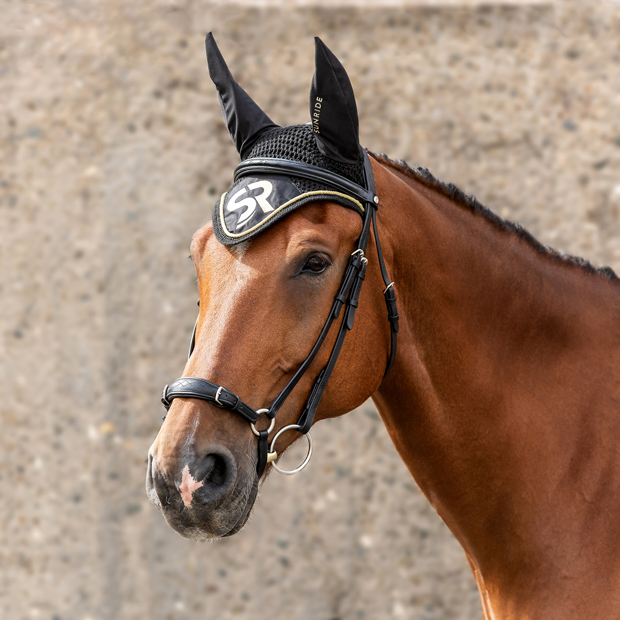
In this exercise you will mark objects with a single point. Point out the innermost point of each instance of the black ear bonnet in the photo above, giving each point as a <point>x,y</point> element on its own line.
<point>329,141</point>
<point>296,143</point>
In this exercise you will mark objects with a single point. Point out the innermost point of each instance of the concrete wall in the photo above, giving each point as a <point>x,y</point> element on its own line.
<point>112,152</point>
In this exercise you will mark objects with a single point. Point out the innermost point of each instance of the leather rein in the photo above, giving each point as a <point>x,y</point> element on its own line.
<point>347,297</point>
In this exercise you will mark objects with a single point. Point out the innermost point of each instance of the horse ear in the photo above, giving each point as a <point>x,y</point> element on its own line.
<point>245,120</point>
<point>332,108</point>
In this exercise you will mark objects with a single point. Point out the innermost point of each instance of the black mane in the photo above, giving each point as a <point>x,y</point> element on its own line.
<point>469,202</point>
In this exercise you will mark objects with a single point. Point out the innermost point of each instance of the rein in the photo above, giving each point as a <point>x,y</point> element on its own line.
<point>347,297</point>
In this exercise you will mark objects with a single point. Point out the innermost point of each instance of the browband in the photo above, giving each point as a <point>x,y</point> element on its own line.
<point>272,165</point>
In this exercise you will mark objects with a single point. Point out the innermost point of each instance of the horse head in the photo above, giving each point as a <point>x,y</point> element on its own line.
<point>280,270</point>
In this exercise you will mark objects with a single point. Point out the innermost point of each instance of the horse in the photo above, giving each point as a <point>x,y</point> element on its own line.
<point>503,398</point>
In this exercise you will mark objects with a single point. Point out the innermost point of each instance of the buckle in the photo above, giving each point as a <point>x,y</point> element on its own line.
<point>217,398</point>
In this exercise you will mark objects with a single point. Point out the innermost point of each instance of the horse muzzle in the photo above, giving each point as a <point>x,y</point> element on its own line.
<point>201,496</point>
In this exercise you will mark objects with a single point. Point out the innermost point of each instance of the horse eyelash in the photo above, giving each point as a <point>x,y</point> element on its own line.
<point>322,255</point>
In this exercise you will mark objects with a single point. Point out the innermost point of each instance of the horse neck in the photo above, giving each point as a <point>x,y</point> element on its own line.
<point>502,399</point>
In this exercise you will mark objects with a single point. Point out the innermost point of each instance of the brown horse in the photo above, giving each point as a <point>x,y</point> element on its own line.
<point>503,400</point>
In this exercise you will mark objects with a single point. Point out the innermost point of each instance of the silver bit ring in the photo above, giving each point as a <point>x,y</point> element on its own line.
<point>272,451</point>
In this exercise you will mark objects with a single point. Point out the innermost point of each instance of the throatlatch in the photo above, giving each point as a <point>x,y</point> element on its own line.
<point>286,168</point>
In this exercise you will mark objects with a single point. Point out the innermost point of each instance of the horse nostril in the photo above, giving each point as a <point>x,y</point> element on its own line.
<point>213,476</point>
<point>151,486</point>
<point>207,480</point>
<point>216,470</point>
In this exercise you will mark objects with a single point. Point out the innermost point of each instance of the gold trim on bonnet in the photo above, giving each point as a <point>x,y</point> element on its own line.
<point>286,204</point>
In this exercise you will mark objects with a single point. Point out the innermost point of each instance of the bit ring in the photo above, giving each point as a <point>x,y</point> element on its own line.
<point>272,451</point>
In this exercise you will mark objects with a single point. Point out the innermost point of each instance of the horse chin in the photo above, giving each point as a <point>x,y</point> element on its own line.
<point>202,523</point>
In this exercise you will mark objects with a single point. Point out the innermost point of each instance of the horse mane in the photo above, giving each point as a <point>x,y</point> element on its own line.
<point>458,196</point>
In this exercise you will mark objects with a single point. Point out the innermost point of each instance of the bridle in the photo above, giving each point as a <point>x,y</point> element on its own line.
<point>347,297</point>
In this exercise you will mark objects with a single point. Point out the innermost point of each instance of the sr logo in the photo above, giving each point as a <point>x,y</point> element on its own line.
<point>250,201</point>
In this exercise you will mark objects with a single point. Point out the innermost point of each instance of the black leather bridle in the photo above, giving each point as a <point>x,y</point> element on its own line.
<point>347,297</point>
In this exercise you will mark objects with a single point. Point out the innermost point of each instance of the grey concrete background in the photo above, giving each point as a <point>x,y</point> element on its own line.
<point>112,152</point>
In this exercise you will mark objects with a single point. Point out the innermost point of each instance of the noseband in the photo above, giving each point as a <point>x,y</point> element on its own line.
<point>347,297</point>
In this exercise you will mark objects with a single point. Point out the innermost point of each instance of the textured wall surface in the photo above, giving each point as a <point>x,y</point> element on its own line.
<point>113,151</point>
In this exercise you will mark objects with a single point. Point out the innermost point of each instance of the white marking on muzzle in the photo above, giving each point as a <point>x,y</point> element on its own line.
<point>188,486</point>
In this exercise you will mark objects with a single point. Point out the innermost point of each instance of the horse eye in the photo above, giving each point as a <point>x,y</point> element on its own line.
<point>315,264</point>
